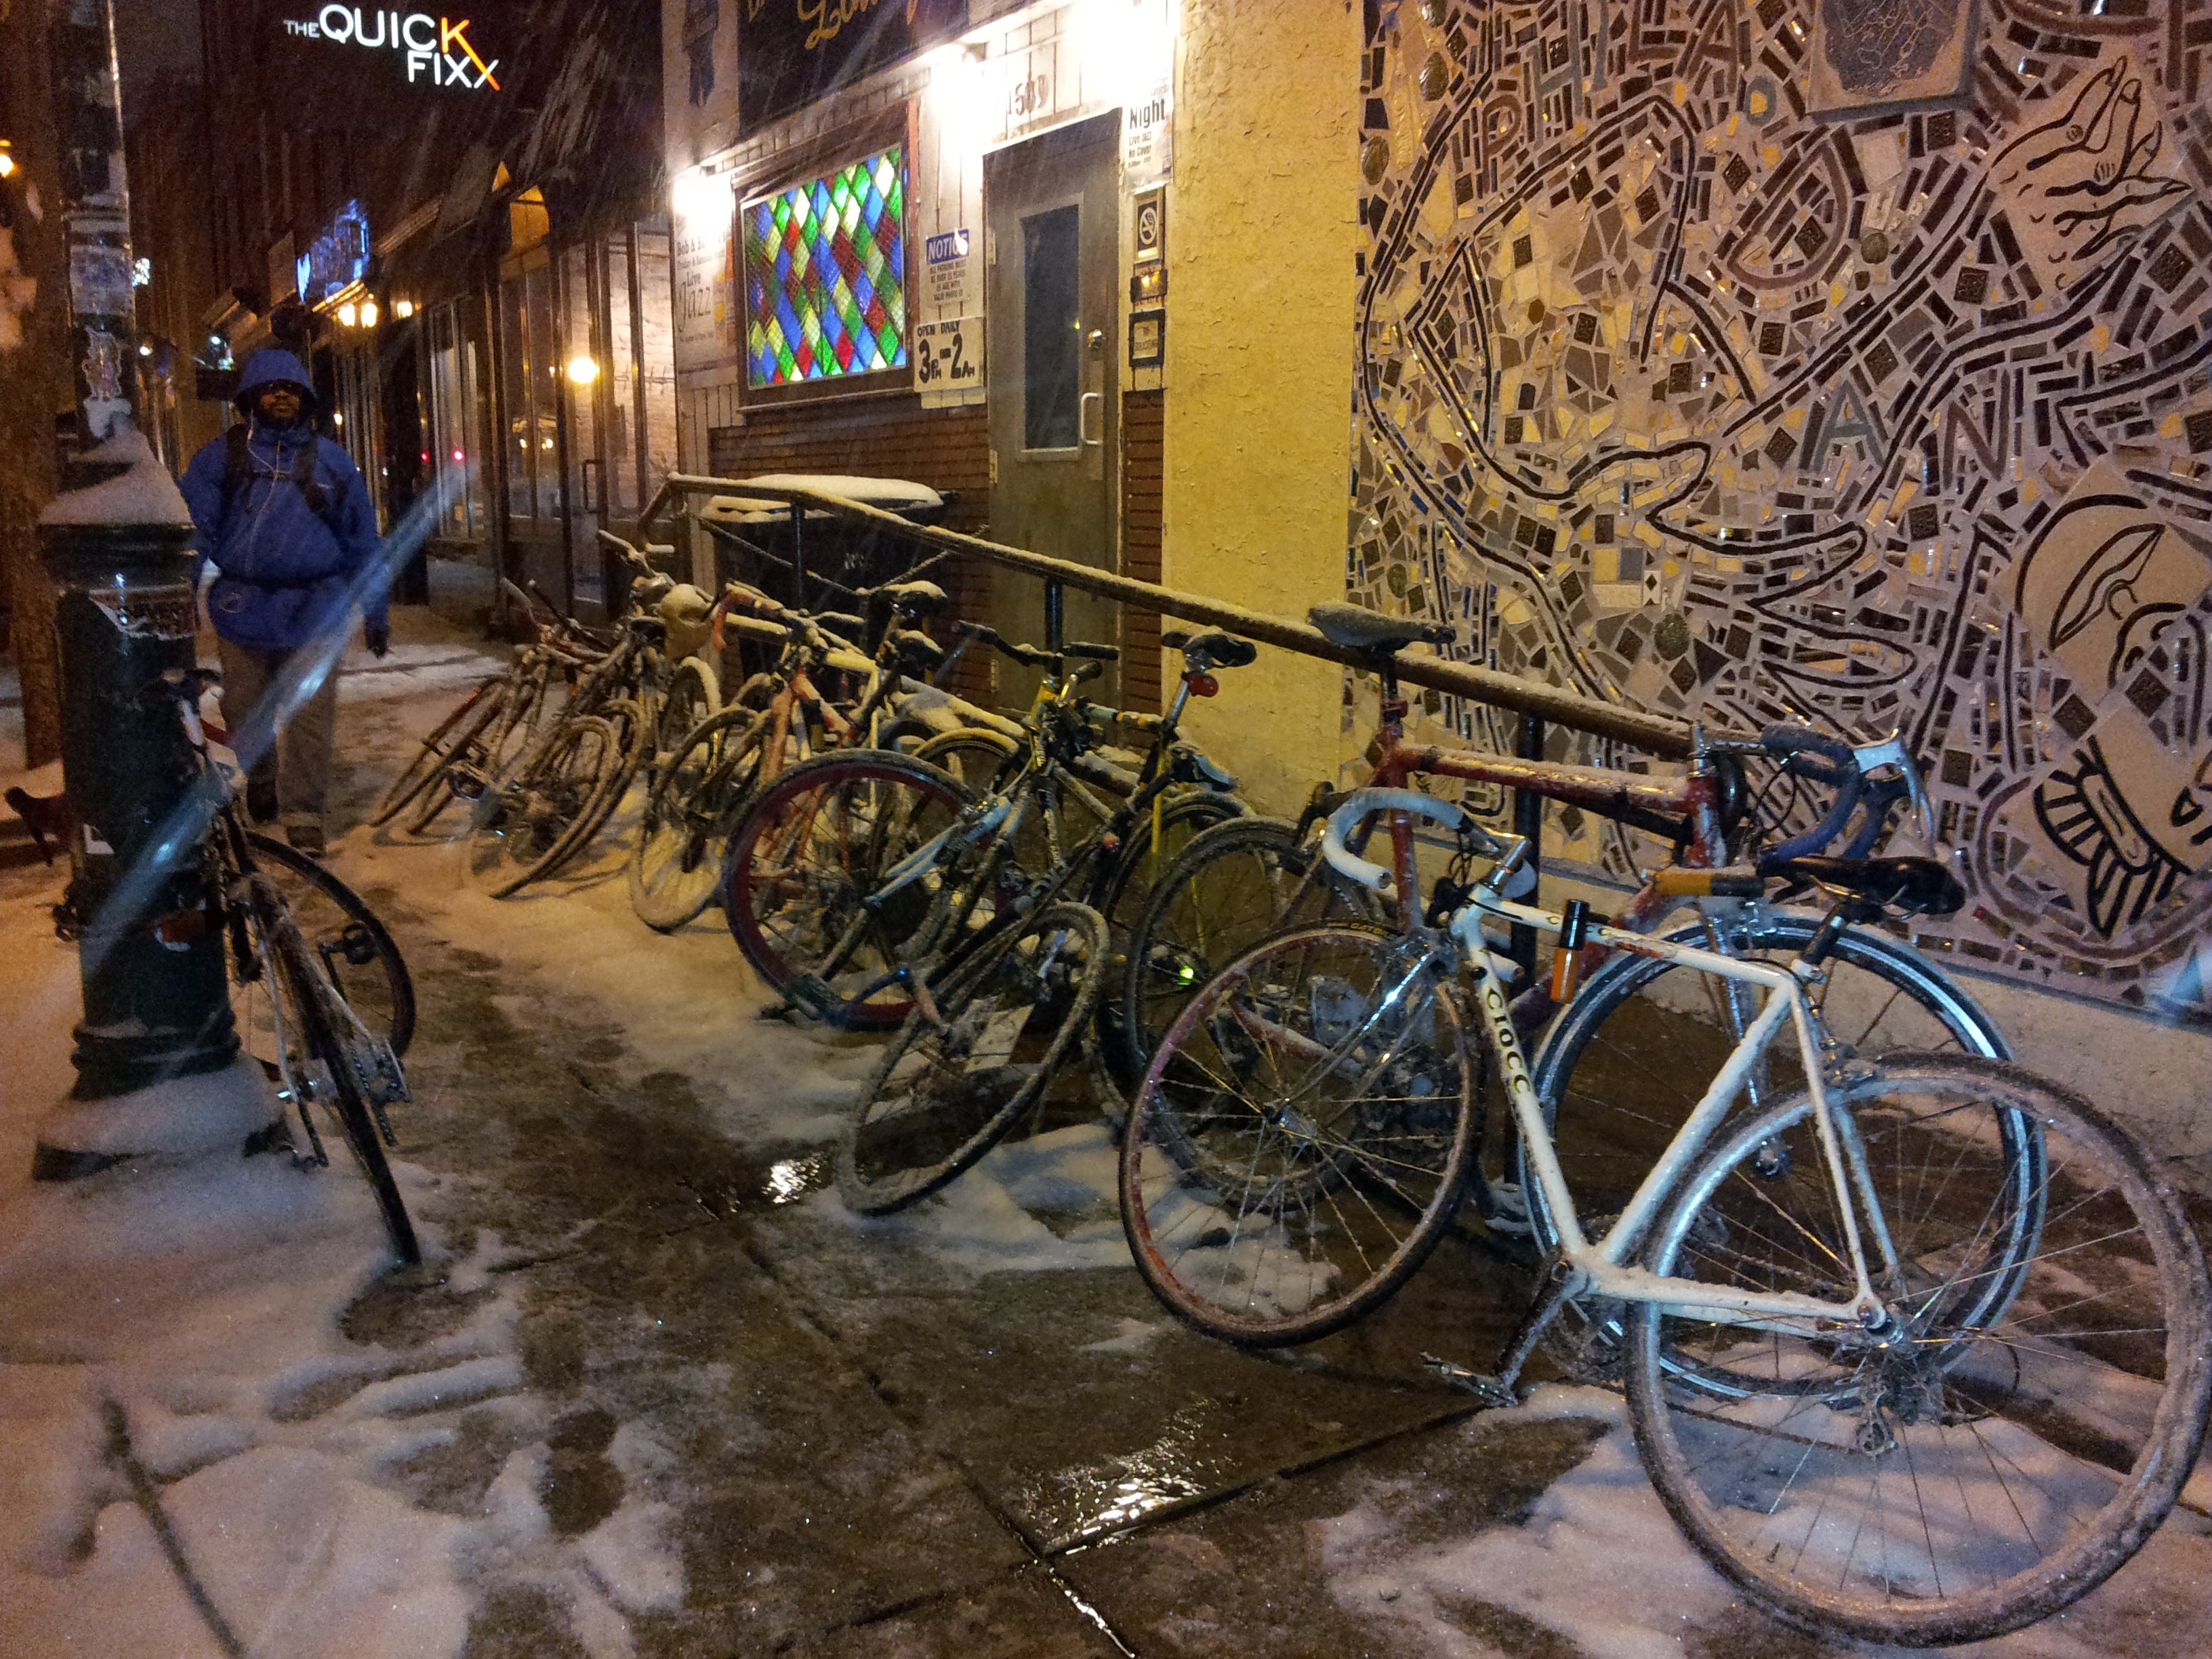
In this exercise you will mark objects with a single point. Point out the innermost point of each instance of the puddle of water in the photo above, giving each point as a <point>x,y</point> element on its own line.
<point>773,1182</point>
<point>1115,1494</point>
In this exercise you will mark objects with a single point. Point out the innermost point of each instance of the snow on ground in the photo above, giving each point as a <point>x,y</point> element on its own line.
<point>1599,1563</point>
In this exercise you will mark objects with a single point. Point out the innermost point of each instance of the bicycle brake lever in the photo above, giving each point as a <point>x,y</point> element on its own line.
<point>1889,752</point>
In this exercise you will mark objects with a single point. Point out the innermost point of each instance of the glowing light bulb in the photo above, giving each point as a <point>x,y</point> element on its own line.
<point>349,314</point>
<point>582,370</point>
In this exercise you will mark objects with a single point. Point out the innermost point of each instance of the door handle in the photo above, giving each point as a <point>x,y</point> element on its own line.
<point>1083,434</point>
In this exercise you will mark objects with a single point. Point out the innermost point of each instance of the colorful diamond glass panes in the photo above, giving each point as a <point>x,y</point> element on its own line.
<point>825,276</point>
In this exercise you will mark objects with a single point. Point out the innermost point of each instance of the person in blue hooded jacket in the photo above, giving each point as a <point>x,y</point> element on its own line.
<point>283,516</point>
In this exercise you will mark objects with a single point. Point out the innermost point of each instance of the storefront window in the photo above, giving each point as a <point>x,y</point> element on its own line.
<point>825,276</point>
<point>454,458</point>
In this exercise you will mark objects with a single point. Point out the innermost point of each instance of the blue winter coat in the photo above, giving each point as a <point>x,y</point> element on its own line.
<point>286,574</point>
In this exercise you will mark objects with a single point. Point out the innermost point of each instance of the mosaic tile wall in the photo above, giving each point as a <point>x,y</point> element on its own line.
<point>1841,361</point>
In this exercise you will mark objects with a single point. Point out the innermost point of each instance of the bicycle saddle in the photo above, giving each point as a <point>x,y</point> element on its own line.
<point>916,599</point>
<point>1355,629</point>
<point>1215,649</point>
<point>1913,886</point>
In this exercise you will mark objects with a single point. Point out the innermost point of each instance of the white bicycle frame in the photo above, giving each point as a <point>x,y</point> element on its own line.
<point>1602,1268</point>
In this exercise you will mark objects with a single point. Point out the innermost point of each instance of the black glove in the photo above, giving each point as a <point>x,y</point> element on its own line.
<point>379,636</point>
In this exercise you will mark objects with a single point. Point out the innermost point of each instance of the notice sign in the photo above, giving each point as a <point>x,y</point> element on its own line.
<point>950,283</point>
<point>1148,137</point>
<point>705,277</point>
<point>948,361</point>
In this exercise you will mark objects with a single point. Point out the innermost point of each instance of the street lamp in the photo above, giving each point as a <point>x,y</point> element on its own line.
<point>368,313</point>
<point>582,370</point>
<point>349,314</point>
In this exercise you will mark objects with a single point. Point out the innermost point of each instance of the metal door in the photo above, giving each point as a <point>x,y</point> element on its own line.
<point>1052,211</point>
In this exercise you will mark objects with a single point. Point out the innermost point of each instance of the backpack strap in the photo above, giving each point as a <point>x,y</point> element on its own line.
<point>238,468</point>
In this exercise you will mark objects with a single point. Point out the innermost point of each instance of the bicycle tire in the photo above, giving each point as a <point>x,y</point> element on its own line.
<point>947,1089</point>
<point>972,754</point>
<point>1644,1051</point>
<point>516,835</point>
<point>634,731</point>
<point>290,969</point>
<point>429,761</point>
<point>1223,894</point>
<point>383,997</point>
<point>691,806</point>
<point>810,848</point>
<point>693,696</point>
<point>1302,1137</point>
<point>1870,1465</point>
<point>494,750</point>
<point>1139,865</point>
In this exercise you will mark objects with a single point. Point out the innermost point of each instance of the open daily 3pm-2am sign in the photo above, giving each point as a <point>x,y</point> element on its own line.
<point>436,50</point>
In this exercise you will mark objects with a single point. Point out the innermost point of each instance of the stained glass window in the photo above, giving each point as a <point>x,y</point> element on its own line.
<point>825,276</point>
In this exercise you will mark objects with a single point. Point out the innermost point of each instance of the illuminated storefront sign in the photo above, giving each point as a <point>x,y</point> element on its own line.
<point>437,50</point>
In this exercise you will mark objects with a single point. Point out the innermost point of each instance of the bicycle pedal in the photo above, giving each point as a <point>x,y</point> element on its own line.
<point>1493,1394</point>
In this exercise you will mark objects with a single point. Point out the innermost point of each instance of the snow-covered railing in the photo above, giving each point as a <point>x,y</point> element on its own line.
<point>1656,734</point>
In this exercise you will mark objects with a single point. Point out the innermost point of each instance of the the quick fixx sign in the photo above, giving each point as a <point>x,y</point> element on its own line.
<point>437,50</point>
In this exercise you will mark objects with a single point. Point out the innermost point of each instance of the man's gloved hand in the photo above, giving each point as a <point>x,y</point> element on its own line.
<point>378,635</point>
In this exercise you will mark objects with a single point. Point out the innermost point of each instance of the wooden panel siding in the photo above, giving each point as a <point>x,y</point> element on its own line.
<point>1143,468</point>
<point>891,437</point>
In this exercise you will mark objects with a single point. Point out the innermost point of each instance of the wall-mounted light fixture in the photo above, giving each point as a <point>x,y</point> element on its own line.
<point>403,309</point>
<point>349,315</point>
<point>7,159</point>
<point>368,313</point>
<point>582,370</point>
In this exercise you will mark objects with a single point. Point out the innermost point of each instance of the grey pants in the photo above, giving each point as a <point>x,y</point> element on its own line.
<point>299,765</point>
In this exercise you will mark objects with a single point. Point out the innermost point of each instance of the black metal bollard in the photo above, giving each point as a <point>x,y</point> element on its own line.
<point>155,1007</point>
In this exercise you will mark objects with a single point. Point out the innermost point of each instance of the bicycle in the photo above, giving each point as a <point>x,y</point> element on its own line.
<point>1238,883</point>
<point>849,866</point>
<point>526,823</point>
<point>296,991</point>
<point>698,792</point>
<point>1916,1353</point>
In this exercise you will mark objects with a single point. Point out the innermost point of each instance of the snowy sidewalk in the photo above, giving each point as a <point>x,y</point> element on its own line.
<point>657,1392</point>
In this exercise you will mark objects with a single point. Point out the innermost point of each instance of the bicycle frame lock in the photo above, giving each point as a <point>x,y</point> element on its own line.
<point>155,1007</point>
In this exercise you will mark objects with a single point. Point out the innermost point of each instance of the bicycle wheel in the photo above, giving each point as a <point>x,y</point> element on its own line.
<point>1144,860</point>
<point>519,830</point>
<point>690,807</point>
<point>633,724</point>
<point>1622,1065</point>
<point>694,692</point>
<point>449,737</point>
<point>2025,1418</point>
<point>318,1052</point>
<point>355,948</point>
<point>478,766</point>
<point>1229,889</point>
<point>808,856</point>
<point>973,755</point>
<point>1301,1139</point>
<point>960,1074</point>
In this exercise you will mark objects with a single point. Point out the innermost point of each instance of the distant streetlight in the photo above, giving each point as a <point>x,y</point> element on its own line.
<point>582,370</point>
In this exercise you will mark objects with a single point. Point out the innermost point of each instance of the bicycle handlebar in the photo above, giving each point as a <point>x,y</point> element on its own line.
<point>1359,804</point>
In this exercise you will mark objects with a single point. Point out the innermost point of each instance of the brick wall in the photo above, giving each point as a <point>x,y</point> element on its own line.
<point>1142,469</point>
<point>891,437</point>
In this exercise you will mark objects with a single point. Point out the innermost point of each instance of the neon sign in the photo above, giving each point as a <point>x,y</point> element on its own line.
<point>437,50</point>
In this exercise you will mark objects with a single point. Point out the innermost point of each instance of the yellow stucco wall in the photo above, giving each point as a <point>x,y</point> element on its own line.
<point>1262,230</point>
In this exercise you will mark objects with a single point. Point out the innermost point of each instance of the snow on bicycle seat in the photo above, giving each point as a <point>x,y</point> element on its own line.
<point>1363,631</point>
<point>1914,886</point>
<point>921,597</point>
<point>1215,649</point>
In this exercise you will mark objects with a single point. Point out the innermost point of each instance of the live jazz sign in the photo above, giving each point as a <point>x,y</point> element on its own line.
<point>437,50</point>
